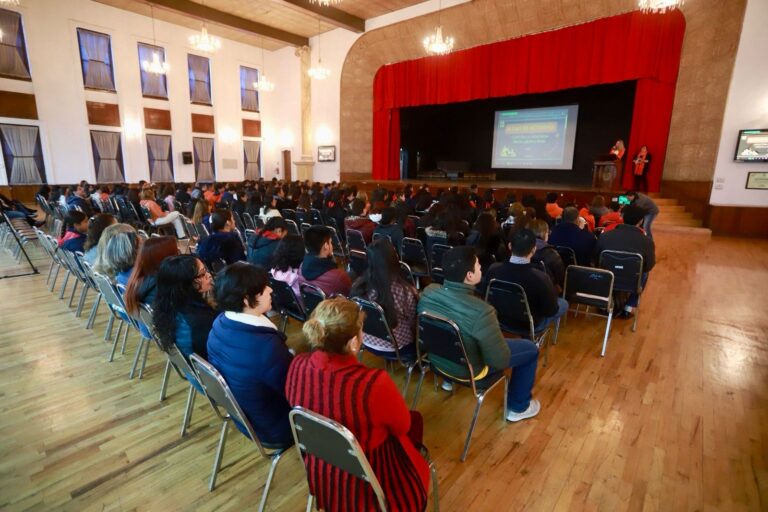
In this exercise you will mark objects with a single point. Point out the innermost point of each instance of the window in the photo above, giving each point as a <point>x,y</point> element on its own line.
<point>252,150</point>
<point>107,156</point>
<point>152,84</point>
<point>96,59</point>
<point>249,95</point>
<point>23,154</point>
<point>160,158</point>
<point>13,50</point>
<point>205,166</point>
<point>199,79</point>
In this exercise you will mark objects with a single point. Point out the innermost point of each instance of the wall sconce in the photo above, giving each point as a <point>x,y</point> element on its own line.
<point>286,139</point>
<point>228,135</point>
<point>132,128</point>
<point>324,135</point>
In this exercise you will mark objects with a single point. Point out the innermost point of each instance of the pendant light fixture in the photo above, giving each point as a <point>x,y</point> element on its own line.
<point>263,85</point>
<point>325,3</point>
<point>436,44</point>
<point>204,42</point>
<point>155,66</point>
<point>659,6</point>
<point>319,72</point>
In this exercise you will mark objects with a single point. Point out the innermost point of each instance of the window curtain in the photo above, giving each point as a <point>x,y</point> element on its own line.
<point>13,53</point>
<point>152,84</point>
<point>21,146</point>
<point>96,59</point>
<point>249,96</point>
<point>199,79</point>
<point>160,160</point>
<point>252,151</point>
<point>106,157</point>
<point>204,165</point>
<point>632,46</point>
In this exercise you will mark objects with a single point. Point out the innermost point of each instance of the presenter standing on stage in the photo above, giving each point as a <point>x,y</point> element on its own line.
<point>618,149</point>
<point>641,162</point>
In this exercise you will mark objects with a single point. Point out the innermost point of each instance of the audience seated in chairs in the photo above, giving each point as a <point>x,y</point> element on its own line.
<point>79,200</point>
<point>612,218</point>
<point>270,208</point>
<point>96,227</point>
<point>630,237</point>
<point>249,351</point>
<point>77,227</point>
<point>141,285</point>
<point>201,215</point>
<point>487,349</point>
<point>359,220</point>
<point>286,262</point>
<point>223,243</point>
<point>330,381</point>
<point>159,217</point>
<point>383,283</point>
<point>117,251</point>
<point>181,314</point>
<point>546,306</point>
<point>389,228</point>
<point>319,267</point>
<point>262,246</point>
<point>553,209</point>
<point>570,233</point>
<point>546,254</point>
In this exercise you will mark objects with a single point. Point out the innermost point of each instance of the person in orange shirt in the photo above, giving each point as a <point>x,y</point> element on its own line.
<point>553,209</point>
<point>159,217</point>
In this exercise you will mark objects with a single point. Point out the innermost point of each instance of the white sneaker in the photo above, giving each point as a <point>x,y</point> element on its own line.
<point>533,409</point>
<point>447,385</point>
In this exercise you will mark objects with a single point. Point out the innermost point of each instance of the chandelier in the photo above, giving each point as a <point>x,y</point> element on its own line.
<point>155,66</point>
<point>659,6</point>
<point>10,3</point>
<point>325,3</point>
<point>436,44</point>
<point>263,85</point>
<point>319,72</point>
<point>203,42</point>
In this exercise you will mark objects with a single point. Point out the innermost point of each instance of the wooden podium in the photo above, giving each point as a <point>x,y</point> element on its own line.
<point>606,172</point>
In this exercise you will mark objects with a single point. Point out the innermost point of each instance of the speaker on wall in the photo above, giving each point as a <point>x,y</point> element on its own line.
<point>186,157</point>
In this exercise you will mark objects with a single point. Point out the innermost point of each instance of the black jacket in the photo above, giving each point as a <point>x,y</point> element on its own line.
<point>630,239</point>
<point>552,262</point>
<point>541,294</point>
<point>226,246</point>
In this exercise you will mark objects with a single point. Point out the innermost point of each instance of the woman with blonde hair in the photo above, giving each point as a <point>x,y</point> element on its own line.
<point>117,250</point>
<point>332,382</point>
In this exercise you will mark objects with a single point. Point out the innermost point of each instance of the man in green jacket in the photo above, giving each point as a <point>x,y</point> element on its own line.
<point>487,350</point>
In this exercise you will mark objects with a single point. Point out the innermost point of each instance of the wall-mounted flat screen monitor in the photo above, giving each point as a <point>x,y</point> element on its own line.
<point>752,146</point>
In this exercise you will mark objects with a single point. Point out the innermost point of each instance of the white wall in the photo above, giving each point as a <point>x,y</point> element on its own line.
<point>50,30</point>
<point>746,108</point>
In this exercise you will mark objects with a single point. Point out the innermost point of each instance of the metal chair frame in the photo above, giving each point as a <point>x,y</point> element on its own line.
<point>619,275</point>
<point>289,308</point>
<point>221,397</point>
<point>312,296</point>
<point>479,393</point>
<point>590,299</point>
<point>116,305</point>
<point>355,240</point>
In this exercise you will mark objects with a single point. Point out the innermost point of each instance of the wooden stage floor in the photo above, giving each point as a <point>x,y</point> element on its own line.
<point>675,417</point>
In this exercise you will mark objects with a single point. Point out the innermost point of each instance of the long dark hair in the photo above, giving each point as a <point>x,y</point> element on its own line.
<point>289,253</point>
<point>96,227</point>
<point>383,271</point>
<point>175,291</point>
<point>151,255</point>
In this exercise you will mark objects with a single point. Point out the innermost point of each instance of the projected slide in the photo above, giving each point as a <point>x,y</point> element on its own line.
<point>539,138</point>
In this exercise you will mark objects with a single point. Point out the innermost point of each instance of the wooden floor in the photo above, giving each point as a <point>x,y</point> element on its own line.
<point>675,417</point>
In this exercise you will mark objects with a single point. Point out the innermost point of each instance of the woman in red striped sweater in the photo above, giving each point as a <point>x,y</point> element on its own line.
<point>331,382</point>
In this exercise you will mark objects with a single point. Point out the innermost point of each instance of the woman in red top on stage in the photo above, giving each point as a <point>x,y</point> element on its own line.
<point>331,382</point>
<point>641,162</point>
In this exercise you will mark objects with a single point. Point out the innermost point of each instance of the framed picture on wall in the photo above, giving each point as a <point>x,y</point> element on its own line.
<point>326,153</point>
<point>757,180</point>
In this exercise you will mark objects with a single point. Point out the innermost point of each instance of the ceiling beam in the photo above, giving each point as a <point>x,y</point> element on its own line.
<point>231,21</point>
<point>331,15</point>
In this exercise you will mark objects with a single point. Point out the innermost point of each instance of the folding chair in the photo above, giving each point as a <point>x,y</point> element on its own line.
<point>302,216</point>
<point>358,262</point>
<point>333,443</point>
<point>88,269</point>
<point>316,217</point>
<point>376,324</point>
<point>312,296</point>
<point>284,301</point>
<point>436,254</point>
<point>412,252</point>
<point>567,254</point>
<point>514,312</point>
<point>178,362</point>
<point>437,275</point>
<point>220,397</point>
<point>293,229</point>
<point>238,221</point>
<point>355,240</point>
<point>289,214</point>
<point>114,301</point>
<point>145,336</point>
<point>627,268</point>
<point>338,247</point>
<point>407,273</point>
<point>248,221</point>
<point>304,228</point>
<point>441,337</point>
<point>592,287</point>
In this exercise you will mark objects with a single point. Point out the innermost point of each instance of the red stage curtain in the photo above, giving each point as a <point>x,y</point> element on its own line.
<point>633,46</point>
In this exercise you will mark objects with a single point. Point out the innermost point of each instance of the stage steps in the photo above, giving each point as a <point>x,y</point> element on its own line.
<point>674,218</point>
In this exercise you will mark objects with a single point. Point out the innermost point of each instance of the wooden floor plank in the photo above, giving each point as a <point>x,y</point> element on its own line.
<point>675,417</point>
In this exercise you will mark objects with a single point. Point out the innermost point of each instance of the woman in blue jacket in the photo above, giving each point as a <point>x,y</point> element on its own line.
<point>249,351</point>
